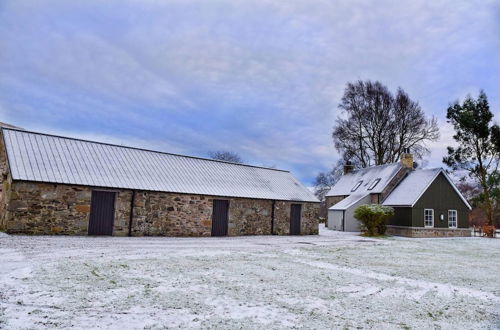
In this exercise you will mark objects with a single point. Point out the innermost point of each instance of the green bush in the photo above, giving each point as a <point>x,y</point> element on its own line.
<point>373,218</point>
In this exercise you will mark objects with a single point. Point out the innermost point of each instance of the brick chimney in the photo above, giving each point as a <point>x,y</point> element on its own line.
<point>348,167</point>
<point>407,158</point>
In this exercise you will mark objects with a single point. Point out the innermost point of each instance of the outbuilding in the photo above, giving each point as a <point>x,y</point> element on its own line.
<point>60,185</point>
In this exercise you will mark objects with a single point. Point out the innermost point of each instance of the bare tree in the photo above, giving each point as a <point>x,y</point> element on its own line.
<point>323,183</point>
<point>377,125</point>
<point>227,156</point>
<point>325,180</point>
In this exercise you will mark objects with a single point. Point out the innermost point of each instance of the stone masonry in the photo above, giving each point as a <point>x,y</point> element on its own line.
<point>427,232</point>
<point>42,208</point>
<point>332,200</point>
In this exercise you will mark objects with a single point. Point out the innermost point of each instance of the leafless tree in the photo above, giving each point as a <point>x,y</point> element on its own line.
<point>376,125</point>
<point>324,182</point>
<point>227,156</point>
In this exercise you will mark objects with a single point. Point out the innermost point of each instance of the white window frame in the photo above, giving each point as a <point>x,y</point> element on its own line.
<point>374,183</point>
<point>425,218</point>
<point>356,186</point>
<point>455,213</point>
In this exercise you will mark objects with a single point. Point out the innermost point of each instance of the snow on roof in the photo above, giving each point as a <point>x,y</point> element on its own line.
<point>348,201</point>
<point>366,176</point>
<point>48,158</point>
<point>414,185</point>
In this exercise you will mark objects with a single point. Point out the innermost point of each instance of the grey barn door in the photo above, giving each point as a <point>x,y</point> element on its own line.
<point>295,219</point>
<point>102,213</point>
<point>220,217</point>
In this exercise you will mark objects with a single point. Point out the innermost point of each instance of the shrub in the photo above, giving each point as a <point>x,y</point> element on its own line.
<point>373,218</point>
<point>489,231</point>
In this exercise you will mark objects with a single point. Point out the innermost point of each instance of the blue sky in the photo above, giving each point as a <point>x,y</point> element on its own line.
<point>261,78</point>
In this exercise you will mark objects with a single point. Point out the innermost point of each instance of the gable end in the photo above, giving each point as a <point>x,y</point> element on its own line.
<point>442,190</point>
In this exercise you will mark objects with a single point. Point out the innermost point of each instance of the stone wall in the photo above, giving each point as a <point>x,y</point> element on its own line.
<point>3,159</point>
<point>375,198</point>
<point>167,214</point>
<point>41,208</point>
<point>332,200</point>
<point>250,217</point>
<point>308,221</point>
<point>4,180</point>
<point>427,232</point>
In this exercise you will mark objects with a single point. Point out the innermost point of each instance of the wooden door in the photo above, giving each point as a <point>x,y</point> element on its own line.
<point>220,218</point>
<point>102,213</point>
<point>295,219</point>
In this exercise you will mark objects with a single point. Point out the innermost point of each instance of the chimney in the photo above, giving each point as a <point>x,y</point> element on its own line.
<point>348,167</point>
<point>407,158</point>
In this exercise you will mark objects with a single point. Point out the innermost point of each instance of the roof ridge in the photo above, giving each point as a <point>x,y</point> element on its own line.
<point>136,148</point>
<point>367,168</point>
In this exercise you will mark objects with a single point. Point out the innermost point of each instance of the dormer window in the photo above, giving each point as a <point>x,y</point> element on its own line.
<point>374,183</point>
<point>356,186</point>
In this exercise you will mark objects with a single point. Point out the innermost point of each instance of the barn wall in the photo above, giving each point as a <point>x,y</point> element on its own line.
<point>38,208</point>
<point>163,214</point>
<point>249,217</point>
<point>41,208</point>
<point>309,221</point>
<point>4,181</point>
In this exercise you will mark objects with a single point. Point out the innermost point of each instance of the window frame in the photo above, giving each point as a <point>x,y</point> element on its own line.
<point>374,183</point>
<point>425,218</point>
<point>455,216</point>
<point>357,185</point>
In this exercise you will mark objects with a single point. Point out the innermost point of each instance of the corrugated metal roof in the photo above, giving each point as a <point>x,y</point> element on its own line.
<point>412,187</point>
<point>48,158</point>
<point>366,176</point>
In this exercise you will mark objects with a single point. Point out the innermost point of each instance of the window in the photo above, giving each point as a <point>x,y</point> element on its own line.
<point>428,218</point>
<point>357,186</point>
<point>452,218</point>
<point>374,184</point>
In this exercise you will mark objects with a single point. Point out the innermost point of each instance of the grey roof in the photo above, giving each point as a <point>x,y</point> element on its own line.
<point>367,175</point>
<point>348,202</point>
<point>48,158</point>
<point>412,187</point>
<point>2,124</point>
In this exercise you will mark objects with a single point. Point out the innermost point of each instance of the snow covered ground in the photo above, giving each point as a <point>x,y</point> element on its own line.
<point>334,280</point>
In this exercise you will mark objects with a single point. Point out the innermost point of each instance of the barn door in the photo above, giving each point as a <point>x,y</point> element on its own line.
<point>220,217</point>
<point>295,219</point>
<point>102,211</point>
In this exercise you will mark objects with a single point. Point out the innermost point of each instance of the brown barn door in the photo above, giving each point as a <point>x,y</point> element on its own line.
<point>220,217</point>
<point>295,219</point>
<point>102,211</point>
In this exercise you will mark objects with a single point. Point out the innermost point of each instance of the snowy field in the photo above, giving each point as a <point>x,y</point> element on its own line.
<point>334,280</point>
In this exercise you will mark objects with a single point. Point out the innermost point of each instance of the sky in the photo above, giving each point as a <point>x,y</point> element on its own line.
<point>260,78</point>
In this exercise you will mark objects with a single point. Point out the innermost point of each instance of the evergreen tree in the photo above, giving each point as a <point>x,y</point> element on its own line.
<point>478,151</point>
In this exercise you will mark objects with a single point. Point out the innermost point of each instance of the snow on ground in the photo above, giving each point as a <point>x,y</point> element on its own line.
<point>333,280</point>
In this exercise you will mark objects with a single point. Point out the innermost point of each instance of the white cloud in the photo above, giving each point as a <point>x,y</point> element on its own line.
<point>259,77</point>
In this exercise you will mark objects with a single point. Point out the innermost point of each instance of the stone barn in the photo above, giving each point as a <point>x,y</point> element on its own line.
<point>59,185</point>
